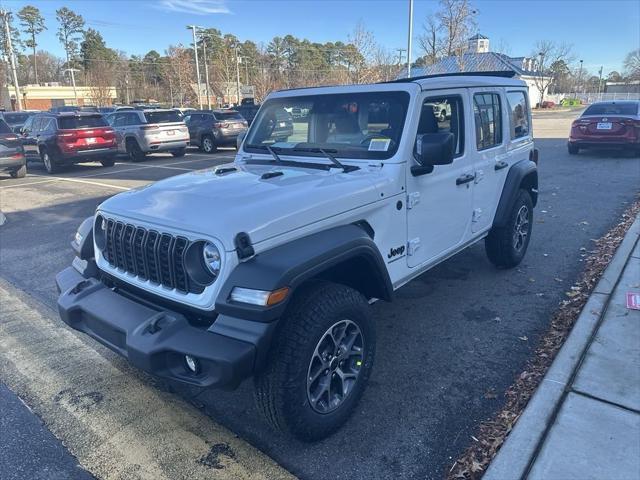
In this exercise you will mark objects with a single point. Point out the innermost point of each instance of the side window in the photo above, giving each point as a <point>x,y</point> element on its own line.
<point>133,118</point>
<point>518,114</point>
<point>28,125</point>
<point>441,115</point>
<point>47,125</point>
<point>488,118</point>
<point>119,120</point>
<point>36,125</point>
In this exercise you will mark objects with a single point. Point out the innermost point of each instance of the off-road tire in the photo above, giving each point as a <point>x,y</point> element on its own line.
<point>500,244</point>
<point>49,161</point>
<point>19,173</point>
<point>573,149</point>
<point>281,389</point>
<point>179,152</point>
<point>134,151</point>
<point>108,162</point>
<point>208,144</point>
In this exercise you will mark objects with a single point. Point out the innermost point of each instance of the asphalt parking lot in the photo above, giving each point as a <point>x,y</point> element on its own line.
<point>448,347</point>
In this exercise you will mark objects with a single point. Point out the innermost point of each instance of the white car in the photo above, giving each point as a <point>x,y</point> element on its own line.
<point>267,267</point>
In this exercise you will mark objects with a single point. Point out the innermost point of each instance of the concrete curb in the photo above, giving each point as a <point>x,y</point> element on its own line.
<point>515,456</point>
<point>3,219</point>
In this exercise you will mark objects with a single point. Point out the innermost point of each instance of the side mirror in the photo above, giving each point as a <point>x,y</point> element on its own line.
<point>433,149</point>
<point>240,138</point>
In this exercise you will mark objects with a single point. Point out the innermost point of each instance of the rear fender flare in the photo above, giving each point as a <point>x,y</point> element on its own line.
<point>522,175</point>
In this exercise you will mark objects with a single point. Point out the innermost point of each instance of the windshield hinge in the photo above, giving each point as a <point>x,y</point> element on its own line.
<point>413,199</point>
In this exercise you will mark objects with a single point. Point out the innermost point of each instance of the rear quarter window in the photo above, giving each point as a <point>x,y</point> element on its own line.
<point>92,121</point>
<point>163,117</point>
<point>518,114</point>
<point>4,127</point>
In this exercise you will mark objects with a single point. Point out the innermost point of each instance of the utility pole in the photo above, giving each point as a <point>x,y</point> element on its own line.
<point>195,49</point>
<point>400,54</point>
<point>12,58</point>
<point>237,76</point>
<point>599,80</point>
<point>73,81</point>
<point>206,72</point>
<point>410,39</point>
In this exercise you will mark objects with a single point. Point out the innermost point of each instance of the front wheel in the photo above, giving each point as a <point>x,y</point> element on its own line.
<point>179,152</point>
<point>319,363</point>
<point>50,164</point>
<point>506,245</point>
<point>20,172</point>
<point>108,162</point>
<point>208,145</point>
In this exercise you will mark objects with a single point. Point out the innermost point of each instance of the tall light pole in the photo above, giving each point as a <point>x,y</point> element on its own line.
<point>12,58</point>
<point>73,81</point>
<point>195,49</point>
<point>410,39</point>
<point>206,72</point>
<point>599,80</point>
<point>579,78</point>
<point>237,76</point>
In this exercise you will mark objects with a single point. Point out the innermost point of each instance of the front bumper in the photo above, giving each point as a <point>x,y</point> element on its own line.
<point>156,339</point>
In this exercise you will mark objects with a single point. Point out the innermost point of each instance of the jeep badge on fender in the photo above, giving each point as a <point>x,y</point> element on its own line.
<point>267,267</point>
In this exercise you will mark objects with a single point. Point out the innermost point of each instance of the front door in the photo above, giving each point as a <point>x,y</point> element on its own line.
<point>439,204</point>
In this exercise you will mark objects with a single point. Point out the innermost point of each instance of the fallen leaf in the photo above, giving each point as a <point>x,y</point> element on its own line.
<point>524,338</point>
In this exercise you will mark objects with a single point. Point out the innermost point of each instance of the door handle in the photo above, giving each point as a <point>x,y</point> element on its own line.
<point>500,165</point>
<point>466,178</point>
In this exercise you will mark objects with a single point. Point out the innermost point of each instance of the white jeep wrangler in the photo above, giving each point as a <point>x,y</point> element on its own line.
<point>267,267</point>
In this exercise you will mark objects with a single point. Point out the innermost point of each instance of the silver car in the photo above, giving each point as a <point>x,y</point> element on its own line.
<point>139,132</point>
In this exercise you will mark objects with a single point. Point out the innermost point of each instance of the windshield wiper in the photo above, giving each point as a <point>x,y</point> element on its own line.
<point>334,160</point>
<point>274,155</point>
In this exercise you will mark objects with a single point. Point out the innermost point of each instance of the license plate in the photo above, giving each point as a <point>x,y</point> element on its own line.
<point>91,140</point>
<point>604,126</point>
<point>282,124</point>
<point>171,132</point>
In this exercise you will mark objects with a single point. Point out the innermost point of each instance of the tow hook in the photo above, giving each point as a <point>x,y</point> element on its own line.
<point>80,286</point>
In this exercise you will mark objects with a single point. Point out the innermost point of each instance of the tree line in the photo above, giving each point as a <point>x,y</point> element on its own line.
<point>283,62</point>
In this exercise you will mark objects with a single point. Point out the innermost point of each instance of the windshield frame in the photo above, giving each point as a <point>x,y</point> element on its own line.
<point>338,150</point>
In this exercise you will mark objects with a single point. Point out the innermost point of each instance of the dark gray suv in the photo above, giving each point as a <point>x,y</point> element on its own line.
<point>210,129</point>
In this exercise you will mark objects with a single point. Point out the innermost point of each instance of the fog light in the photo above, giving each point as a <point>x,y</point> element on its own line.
<point>192,364</point>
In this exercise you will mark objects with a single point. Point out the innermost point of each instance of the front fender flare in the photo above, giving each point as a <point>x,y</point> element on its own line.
<point>291,264</point>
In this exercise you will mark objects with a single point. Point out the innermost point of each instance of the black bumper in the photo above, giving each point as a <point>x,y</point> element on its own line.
<point>156,340</point>
<point>92,155</point>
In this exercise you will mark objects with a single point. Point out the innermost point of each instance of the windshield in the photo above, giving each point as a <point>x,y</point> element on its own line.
<point>612,109</point>
<point>15,118</point>
<point>163,116</point>
<point>353,125</point>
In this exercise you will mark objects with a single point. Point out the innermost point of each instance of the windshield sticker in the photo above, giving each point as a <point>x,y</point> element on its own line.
<point>379,144</point>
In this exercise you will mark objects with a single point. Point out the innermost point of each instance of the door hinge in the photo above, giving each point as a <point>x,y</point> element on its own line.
<point>413,199</point>
<point>477,214</point>
<point>414,245</point>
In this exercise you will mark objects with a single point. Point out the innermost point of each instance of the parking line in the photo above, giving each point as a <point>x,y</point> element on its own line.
<point>112,420</point>
<point>99,184</point>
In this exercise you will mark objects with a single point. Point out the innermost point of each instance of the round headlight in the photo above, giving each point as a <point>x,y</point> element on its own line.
<point>211,257</point>
<point>100,232</point>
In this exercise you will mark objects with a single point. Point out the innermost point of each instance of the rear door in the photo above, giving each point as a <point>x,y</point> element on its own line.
<point>195,121</point>
<point>491,156</point>
<point>29,137</point>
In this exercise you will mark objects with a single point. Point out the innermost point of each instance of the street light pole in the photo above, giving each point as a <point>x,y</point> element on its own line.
<point>237,76</point>
<point>579,78</point>
<point>12,58</point>
<point>206,72</point>
<point>195,49</point>
<point>410,39</point>
<point>599,81</point>
<point>73,81</point>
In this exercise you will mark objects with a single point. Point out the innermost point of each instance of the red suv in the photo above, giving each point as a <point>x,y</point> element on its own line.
<point>607,125</point>
<point>59,139</point>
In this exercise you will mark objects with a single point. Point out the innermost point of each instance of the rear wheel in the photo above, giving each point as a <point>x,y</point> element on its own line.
<point>319,363</point>
<point>134,151</point>
<point>573,149</point>
<point>207,144</point>
<point>108,162</point>
<point>506,245</point>
<point>20,172</point>
<point>179,152</point>
<point>49,161</point>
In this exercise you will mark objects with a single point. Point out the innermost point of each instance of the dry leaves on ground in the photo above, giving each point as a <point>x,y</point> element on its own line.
<point>492,433</point>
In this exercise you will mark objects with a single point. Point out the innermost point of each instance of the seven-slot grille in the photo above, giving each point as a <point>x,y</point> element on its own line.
<point>149,255</point>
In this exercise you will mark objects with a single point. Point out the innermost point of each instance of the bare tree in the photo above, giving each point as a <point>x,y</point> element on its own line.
<point>179,70</point>
<point>548,53</point>
<point>363,46</point>
<point>632,65</point>
<point>430,41</point>
<point>457,18</point>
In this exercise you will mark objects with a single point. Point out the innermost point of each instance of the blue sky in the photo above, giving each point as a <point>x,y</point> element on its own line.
<point>602,31</point>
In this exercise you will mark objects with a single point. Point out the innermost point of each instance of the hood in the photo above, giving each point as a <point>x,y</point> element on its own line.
<point>222,205</point>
